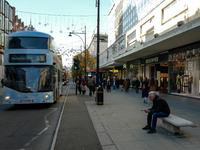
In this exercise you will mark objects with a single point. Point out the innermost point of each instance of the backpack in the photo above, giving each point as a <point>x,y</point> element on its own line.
<point>90,83</point>
<point>143,87</point>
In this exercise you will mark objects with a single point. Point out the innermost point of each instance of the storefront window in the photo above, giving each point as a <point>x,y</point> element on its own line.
<point>185,72</point>
<point>177,70</point>
<point>1,21</point>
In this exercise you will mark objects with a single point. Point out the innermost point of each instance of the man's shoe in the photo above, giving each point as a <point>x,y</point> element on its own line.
<point>146,128</point>
<point>151,131</point>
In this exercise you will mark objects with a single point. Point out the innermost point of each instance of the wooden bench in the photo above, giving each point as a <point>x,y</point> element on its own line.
<point>173,123</point>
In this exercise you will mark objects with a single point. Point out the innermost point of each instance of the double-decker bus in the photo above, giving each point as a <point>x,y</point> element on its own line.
<point>33,70</point>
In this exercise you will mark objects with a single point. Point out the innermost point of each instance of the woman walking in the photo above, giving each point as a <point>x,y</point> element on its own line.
<point>84,87</point>
<point>126,84</point>
<point>108,84</point>
<point>145,89</point>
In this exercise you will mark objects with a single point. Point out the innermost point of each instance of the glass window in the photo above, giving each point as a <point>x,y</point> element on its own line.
<point>6,24</point>
<point>29,78</point>
<point>1,59</point>
<point>1,21</point>
<point>27,58</point>
<point>28,43</point>
<point>2,37</point>
<point>10,13</point>
<point>1,6</point>
<point>6,12</point>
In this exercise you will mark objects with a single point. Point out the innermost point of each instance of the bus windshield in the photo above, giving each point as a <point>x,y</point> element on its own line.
<point>29,78</point>
<point>28,43</point>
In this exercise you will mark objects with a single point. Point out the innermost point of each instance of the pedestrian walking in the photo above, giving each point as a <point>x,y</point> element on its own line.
<point>160,108</point>
<point>121,82</point>
<point>2,82</point>
<point>84,86</point>
<point>114,84</point>
<point>137,84</point>
<point>94,87</point>
<point>90,85</point>
<point>79,85</point>
<point>126,85</point>
<point>117,83</point>
<point>133,82</point>
<point>145,89</point>
<point>104,83</point>
<point>108,84</point>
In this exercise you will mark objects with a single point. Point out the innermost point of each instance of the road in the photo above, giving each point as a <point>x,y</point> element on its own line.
<point>29,126</point>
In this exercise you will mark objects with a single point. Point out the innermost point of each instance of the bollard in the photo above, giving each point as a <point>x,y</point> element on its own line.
<point>99,96</point>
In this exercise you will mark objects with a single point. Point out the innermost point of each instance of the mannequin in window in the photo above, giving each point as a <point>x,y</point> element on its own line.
<point>190,83</point>
<point>178,83</point>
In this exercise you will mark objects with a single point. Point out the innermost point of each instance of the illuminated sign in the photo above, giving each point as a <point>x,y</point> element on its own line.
<point>151,60</point>
<point>124,66</point>
<point>27,58</point>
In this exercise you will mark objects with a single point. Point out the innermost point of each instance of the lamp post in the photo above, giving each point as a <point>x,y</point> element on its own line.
<point>84,43</point>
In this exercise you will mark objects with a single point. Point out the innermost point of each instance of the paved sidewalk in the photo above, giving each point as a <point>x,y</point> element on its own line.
<point>120,121</point>
<point>76,131</point>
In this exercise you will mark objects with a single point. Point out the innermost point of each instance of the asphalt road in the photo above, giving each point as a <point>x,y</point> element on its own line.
<point>29,126</point>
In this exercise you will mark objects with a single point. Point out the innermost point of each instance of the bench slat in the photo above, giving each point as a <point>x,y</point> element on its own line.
<point>177,121</point>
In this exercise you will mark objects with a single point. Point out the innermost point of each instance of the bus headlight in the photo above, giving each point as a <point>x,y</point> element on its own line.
<point>46,96</point>
<point>7,98</point>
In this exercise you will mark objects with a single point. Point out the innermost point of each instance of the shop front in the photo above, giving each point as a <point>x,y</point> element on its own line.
<point>136,69</point>
<point>184,73</point>
<point>120,71</point>
<point>157,68</point>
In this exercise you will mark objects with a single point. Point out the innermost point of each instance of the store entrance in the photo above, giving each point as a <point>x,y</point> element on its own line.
<point>161,71</point>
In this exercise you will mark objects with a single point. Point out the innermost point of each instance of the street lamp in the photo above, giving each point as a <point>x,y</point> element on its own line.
<point>84,43</point>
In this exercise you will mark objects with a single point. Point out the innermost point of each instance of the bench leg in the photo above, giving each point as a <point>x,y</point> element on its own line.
<point>170,127</point>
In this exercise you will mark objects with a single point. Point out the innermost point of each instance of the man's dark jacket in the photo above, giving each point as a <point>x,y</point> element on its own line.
<point>160,105</point>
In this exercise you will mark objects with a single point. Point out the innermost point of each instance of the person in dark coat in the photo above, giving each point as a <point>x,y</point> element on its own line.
<point>137,84</point>
<point>117,83</point>
<point>108,84</point>
<point>104,83</point>
<point>160,108</point>
<point>121,82</point>
<point>90,84</point>
<point>79,85</point>
<point>145,89</point>
<point>126,84</point>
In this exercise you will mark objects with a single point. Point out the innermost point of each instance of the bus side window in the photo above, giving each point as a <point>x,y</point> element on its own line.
<point>58,75</point>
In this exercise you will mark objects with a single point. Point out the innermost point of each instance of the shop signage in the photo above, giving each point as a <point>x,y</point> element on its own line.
<point>151,60</point>
<point>124,66</point>
<point>177,56</point>
<point>131,66</point>
<point>115,71</point>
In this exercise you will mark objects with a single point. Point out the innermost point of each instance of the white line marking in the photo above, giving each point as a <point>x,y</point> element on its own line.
<point>46,128</point>
<point>56,133</point>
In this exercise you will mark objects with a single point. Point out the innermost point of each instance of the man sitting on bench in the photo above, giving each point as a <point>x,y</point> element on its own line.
<point>160,108</point>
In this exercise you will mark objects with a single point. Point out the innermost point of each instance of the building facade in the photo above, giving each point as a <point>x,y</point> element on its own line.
<point>156,38</point>
<point>6,22</point>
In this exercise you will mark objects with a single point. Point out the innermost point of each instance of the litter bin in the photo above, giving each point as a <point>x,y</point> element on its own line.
<point>99,96</point>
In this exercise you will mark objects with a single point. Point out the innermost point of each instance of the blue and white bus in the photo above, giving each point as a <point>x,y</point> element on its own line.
<point>33,70</point>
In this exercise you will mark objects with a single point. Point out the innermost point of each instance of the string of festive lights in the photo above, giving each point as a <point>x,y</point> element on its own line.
<point>18,11</point>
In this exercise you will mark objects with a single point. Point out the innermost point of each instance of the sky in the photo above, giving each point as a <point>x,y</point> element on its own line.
<point>56,16</point>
